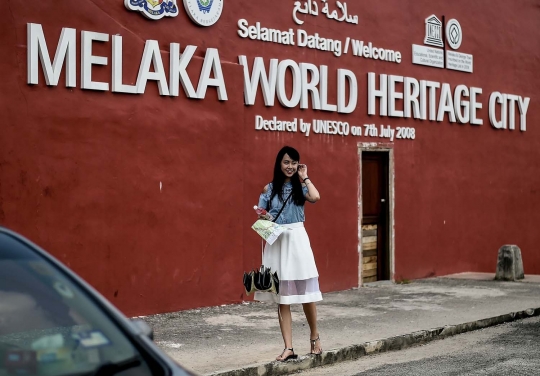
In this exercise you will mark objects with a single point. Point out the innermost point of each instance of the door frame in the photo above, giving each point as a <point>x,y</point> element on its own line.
<point>383,148</point>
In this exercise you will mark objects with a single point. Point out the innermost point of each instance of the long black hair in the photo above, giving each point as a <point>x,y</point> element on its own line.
<point>279,178</point>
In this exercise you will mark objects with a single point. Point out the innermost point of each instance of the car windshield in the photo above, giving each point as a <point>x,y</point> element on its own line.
<point>50,326</point>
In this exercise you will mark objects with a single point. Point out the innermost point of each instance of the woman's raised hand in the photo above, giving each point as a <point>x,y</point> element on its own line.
<point>302,171</point>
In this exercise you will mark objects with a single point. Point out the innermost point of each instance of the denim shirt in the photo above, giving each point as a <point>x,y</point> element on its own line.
<point>292,213</point>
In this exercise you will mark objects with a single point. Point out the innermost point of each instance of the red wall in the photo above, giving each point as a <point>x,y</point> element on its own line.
<point>80,171</point>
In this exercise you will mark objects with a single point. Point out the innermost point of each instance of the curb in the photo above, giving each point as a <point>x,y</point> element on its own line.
<point>373,347</point>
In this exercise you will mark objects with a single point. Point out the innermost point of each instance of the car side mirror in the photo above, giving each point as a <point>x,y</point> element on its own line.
<point>143,328</point>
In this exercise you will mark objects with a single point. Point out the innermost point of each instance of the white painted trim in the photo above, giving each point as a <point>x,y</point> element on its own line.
<point>388,148</point>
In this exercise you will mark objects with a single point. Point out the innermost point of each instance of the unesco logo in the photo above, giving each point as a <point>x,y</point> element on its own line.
<point>454,36</point>
<point>204,12</point>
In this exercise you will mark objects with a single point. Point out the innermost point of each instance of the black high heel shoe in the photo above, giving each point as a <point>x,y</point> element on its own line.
<point>290,357</point>
<point>313,343</point>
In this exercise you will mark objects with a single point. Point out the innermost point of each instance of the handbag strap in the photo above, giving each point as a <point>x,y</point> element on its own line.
<point>283,207</point>
<point>273,220</point>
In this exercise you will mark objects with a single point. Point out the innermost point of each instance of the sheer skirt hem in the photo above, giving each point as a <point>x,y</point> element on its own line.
<point>292,299</point>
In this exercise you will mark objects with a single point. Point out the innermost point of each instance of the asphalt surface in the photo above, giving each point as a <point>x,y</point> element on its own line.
<point>230,337</point>
<point>509,349</point>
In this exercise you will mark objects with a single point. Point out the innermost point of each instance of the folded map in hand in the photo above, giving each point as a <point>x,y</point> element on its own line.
<point>269,231</point>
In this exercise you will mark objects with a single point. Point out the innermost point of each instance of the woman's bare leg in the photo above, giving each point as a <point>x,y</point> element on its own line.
<point>310,309</point>
<point>285,323</point>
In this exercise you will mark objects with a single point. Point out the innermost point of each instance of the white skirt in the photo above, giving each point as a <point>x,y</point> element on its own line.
<point>291,256</point>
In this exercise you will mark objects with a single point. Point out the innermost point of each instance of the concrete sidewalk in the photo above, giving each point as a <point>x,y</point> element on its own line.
<point>245,338</point>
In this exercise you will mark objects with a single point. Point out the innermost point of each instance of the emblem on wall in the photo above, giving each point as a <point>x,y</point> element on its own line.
<point>454,36</point>
<point>437,56</point>
<point>153,9</point>
<point>204,12</point>
<point>433,32</point>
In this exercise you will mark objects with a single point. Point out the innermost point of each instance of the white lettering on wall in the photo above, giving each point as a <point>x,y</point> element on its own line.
<point>380,93</point>
<point>367,51</point>
<point>410,98</point>
<point>523,105</point>
<point>459,103</point>
<point>432,86</point>
<point>37,49</point>
<point>87,60</point>
<point>394,95</point>
<point>264,34</point>
<point>503,107</point>
<point>152,56</point>
<point>398,96</point>
<point>303,39</point>
<point>325,106</point>
<point>317,88</point>
<point>494,98</point>
<point>212,66</point>
<point>275,124</point>
<point>258,75</point>
<point>151,66</point>
<point>294,100</point>
<point>446,105</point>
<point>475,106</point>
<point>310,87</point>
<point>346,76</point>
<point>317,42</point>
<point>417,95</point>
<point>117,84</point>
<point>178,74</point>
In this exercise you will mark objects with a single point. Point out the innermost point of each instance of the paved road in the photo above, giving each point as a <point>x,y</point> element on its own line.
<point>509,349</point>
<point>235,336</point>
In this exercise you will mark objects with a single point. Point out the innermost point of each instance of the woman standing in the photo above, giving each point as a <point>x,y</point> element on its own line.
<point>291,255</point>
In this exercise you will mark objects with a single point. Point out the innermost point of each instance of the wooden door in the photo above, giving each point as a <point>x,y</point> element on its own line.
<point>375,215</point>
